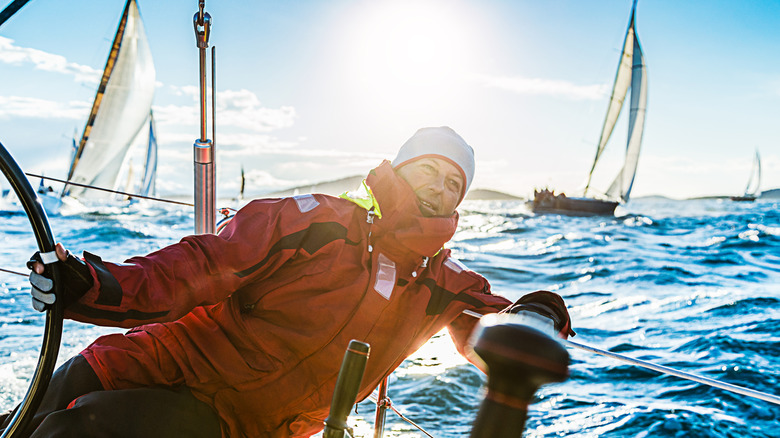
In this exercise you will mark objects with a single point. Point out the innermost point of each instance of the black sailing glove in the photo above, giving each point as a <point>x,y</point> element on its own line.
<point>549,305</point>
<point>74,274</point>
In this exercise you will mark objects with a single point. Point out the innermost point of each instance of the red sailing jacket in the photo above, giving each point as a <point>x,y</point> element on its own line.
<point>255,320</point>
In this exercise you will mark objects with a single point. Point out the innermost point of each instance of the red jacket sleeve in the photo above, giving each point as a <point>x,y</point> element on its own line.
<point>199,270</point>
<point>476,298</point>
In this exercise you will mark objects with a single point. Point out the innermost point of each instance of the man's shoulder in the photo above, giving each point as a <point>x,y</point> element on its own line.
<point>456,276</point>
<point>455,265</point>
<point>452,266</point>
<point>303,204</point>
<point>322,204</point>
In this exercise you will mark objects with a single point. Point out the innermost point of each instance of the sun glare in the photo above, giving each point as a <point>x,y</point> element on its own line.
<point>401,49</point>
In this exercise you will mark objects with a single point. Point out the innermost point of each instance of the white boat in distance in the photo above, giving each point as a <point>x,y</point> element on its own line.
<point>753,187</point>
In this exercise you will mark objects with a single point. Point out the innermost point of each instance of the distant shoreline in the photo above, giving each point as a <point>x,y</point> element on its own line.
<point>339,186</point>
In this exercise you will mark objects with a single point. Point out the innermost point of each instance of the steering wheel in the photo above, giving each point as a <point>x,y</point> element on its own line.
<point>53,329</point>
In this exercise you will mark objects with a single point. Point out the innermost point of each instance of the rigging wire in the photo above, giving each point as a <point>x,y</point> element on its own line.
<point>373,397</point>
<point>14,272</point>
<point>11,9</point>
<point>666,370</point>
<point>71,183</point>
<point>671,371</point>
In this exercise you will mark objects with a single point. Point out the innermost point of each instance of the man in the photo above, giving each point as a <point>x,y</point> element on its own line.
<point>241,333</point>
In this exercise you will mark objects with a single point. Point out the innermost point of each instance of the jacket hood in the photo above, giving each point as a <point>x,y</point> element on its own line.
<point>401,219</point>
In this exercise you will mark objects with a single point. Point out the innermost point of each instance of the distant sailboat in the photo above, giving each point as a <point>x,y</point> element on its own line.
<point>631,74</point>
<point>243,185</point>
<point>149,178</point>
<point>753,188</point>
<point>120,111</point>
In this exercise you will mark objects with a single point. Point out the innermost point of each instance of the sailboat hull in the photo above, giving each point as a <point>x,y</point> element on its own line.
<point>743,198</point>
<point>545,202</point>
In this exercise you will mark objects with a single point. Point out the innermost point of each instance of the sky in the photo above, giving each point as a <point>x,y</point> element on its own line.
<point>311,91</point>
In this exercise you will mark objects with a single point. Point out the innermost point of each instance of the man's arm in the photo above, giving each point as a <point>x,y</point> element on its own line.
<point>544,304</point>
<point>198,270</point>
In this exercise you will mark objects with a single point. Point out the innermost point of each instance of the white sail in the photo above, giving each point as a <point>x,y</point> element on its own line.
<point>620,188</point>
<point>619,91</point>
<point>149,180</point>
<point>753,187</point>
<point>120,110</point>
<point>631,74</point>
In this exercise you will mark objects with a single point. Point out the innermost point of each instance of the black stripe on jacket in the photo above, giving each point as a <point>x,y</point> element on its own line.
<point>310,239</point>
<point>441,298</point>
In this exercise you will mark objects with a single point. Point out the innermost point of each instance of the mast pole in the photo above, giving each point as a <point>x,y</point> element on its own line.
<point>203,147</point>
<point>11,9</point>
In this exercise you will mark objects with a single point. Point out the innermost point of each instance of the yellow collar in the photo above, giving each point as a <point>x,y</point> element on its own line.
<point>364,198</point>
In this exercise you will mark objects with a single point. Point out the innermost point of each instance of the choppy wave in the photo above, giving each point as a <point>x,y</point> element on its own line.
<point>693,285</point>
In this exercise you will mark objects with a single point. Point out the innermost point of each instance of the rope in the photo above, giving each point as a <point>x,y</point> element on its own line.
<point>373,398</point>
<point>71,183</point>
<point>666,370</point>
<point>14,272</point>
<point>671,371</point>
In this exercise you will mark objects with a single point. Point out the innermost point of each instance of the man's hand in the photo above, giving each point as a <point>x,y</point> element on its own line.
<point>42,286</point>
<point>42,294</point>
<point>76,278</point>
<point>549,305</point>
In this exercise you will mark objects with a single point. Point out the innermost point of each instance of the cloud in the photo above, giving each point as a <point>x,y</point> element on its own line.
<point>182,115</point>
<point>549,87</point>
<point>235,108</point>
<point>15,106</point>
<point>242,109</point>
<point>233,143</point>
<point>262,180</point>
<point>229,142</point>
<point>185,90</point>
<point>40,60</point>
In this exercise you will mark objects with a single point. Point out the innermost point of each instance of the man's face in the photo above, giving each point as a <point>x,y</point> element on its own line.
<point>437,184</point>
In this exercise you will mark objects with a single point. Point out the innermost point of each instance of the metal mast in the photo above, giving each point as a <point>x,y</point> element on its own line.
<point>203,147</point>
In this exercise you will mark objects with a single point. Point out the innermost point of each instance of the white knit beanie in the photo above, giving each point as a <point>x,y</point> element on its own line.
<point>441,142</point>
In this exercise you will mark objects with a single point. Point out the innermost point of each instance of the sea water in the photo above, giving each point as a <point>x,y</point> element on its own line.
<point>693,285</point>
